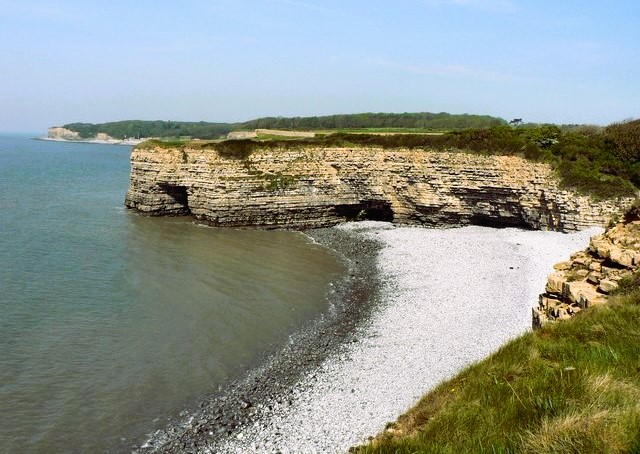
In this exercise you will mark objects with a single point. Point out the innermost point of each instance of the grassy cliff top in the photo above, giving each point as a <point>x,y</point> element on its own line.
<point>603,162</point>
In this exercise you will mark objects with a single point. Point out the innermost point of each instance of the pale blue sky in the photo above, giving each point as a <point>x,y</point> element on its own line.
<point>224,60</point>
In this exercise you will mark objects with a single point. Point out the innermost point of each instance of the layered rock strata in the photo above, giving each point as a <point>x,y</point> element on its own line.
<point>590,275</point>
<point>306,187</point>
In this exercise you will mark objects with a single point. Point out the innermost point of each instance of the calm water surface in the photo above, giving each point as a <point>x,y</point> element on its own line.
<point>111,321</point>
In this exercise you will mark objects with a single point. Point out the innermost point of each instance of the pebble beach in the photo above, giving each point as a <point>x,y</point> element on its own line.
<point>434,302</point>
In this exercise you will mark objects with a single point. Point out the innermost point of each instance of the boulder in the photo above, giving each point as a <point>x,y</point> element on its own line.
<point>555,282</point>
<point>607,286</point>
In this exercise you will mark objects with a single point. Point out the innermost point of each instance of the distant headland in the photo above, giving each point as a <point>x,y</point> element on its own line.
<point>62,134</point>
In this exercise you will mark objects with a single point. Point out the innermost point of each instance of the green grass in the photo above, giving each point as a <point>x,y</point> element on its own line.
<point>161,143</point>
<point>572,387</point>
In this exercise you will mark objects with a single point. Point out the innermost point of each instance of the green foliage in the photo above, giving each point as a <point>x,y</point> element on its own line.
<point>586,177</point>
<point>206,130</point>
<point>278,181</point>
<point>628,284</point>
<point>624,139</point>
<point>422,120</point>
<point>140,128</point>
<point>571,387</point>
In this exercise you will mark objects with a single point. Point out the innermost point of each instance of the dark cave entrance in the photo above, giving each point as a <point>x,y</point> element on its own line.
<point>181,198</point>
<point>498,222</point>
<point>366,210</point>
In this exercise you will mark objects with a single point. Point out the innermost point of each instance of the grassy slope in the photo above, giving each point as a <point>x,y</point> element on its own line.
<point>573,387</point>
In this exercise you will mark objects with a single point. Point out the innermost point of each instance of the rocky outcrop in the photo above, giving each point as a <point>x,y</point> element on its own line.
<point>590,275</point>
<point>60,133</point>
<point>313,186</point>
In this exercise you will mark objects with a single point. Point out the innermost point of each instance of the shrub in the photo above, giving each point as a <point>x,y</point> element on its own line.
<point>624,138</point>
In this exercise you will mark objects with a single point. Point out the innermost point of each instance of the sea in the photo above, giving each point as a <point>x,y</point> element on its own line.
<point>111,321</point>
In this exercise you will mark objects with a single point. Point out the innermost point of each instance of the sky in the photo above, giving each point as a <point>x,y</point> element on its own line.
<point>63,61</point>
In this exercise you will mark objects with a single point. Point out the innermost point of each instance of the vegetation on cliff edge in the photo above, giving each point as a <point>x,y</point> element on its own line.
<point>572,387</point>
<point>603,162</point>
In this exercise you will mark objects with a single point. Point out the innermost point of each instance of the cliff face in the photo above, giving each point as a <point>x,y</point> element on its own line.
<point>58,132</point>
<point>314,187</point>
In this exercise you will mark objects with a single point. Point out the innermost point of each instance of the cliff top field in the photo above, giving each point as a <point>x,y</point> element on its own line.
<point>603,162</point>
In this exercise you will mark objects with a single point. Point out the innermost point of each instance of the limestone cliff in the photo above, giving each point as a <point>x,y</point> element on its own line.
<point>60,133</point>
<point>304,187</point>
<point>67,135</point>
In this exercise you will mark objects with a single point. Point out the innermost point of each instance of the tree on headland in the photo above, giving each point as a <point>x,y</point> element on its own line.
<point>516,122</point>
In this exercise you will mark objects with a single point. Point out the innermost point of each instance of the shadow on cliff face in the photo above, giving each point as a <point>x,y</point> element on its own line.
<point>366,210</point>
<point>499,222</point>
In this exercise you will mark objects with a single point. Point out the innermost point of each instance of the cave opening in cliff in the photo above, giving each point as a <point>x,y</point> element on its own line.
<point>366,210</point>
<point>499,222</point>
<point>180,196</point>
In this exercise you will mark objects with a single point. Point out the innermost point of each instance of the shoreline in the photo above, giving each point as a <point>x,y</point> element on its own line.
<point>341,381</point>
<point>130,142</point>
<point>265,390</point>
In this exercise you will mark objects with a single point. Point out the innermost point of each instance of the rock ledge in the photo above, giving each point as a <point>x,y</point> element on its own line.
<point>591,275</point>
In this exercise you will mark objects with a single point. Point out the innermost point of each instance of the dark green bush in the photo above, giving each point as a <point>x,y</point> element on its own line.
<point>624,139</point>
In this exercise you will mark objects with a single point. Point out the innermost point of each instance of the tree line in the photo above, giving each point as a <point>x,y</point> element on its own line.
<point>140,128</point>
<point>206,130</point>
<point>421,120</point>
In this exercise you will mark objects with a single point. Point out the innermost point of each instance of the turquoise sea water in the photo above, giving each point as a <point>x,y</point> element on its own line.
<point>111,321</point>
